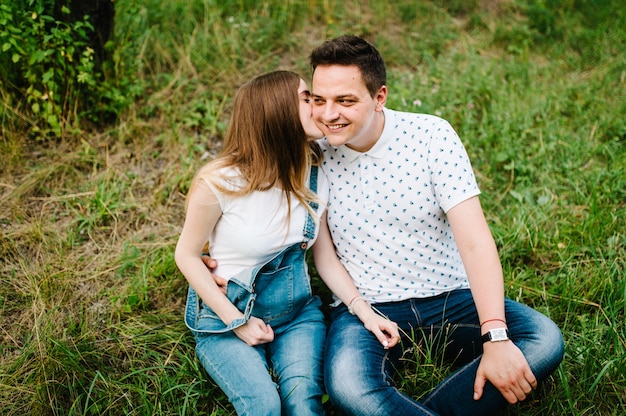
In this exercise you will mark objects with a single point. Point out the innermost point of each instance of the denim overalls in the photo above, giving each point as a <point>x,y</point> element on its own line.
<point>274,291</point>
<point>278,292</point>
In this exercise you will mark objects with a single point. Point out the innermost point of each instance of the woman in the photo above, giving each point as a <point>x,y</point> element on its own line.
<point>259,205</point>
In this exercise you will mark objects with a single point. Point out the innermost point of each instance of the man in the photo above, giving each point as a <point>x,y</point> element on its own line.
<point>407,224</point>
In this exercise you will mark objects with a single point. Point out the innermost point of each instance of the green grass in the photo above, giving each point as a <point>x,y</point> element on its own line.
<point>91,300</point>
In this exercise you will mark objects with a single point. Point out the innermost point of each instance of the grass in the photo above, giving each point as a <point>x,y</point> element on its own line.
<point>90,298</point>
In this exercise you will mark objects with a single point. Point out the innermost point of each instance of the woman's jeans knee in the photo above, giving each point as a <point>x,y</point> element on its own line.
<point>295,385</point>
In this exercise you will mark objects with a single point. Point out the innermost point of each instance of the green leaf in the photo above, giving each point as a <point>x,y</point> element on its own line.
<point>83,77</point>
<point>47,76</point>
<point>37,57</point>
<point>52,120</point>
<point>6,46</point>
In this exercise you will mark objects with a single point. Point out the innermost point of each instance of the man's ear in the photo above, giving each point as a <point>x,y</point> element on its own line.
<point>381,98</point>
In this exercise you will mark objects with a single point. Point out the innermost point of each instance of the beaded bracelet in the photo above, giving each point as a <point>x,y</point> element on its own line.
<point>353,301</point>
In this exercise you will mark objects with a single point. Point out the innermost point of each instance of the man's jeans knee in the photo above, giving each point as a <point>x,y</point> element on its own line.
<point>357,367</point>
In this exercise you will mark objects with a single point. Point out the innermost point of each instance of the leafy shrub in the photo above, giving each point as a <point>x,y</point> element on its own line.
<point>50,77</point>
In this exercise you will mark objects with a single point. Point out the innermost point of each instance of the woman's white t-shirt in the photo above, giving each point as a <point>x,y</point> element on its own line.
<point>254,227</point>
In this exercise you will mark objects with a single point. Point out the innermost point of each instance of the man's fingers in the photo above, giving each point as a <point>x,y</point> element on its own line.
<point>479,385</point>
<point>209,262</point>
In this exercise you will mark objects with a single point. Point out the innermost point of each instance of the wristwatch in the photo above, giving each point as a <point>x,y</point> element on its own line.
<point>495,335</point>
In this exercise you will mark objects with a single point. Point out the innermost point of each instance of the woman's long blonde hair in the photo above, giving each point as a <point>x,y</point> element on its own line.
<point>265,140</point>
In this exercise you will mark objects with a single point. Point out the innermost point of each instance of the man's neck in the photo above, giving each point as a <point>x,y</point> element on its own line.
<point>377,131</point>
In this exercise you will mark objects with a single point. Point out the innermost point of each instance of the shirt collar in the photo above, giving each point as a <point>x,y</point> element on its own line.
<point>380,148</point>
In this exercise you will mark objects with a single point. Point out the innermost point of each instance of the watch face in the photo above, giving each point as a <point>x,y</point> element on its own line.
<point>498,334</point>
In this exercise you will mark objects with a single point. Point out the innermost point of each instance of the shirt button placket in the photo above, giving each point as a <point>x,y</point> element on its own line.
<point>366,182</point>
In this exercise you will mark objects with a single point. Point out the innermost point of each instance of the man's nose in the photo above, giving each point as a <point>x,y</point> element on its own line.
<point>330,111</point>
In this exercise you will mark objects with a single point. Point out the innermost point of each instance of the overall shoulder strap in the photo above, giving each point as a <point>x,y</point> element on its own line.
<point>309,226</point>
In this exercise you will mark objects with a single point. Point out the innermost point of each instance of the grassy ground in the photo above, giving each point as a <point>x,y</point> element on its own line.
<point>91,300</point>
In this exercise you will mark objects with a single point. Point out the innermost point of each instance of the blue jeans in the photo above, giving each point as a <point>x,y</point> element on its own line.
<point>358,371</point>
<point>295,385</point>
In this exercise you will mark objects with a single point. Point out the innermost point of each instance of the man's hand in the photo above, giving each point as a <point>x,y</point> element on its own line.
<point>211,264</point>
<point>255,332</point>
<point>384,330</point>
<point>504,365</point>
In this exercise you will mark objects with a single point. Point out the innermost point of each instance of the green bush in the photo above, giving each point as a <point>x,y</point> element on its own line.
<point>50,77</point>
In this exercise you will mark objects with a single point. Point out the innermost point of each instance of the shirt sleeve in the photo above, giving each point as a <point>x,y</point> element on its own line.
<point>451,172</point>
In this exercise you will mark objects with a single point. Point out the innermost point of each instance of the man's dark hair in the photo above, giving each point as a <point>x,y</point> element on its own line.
<point>353,50</point>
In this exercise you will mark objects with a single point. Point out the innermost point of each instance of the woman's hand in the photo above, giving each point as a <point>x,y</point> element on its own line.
<point>255,332</point>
